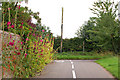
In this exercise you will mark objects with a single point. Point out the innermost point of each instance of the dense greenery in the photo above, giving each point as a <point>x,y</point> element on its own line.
<point>73,44</point>
<point>110,64</point>
<point>25,56</point>
<point>101,33</point>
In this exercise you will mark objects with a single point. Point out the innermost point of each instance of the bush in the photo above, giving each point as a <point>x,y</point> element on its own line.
<point>73,44</point>
<point>28,55</point>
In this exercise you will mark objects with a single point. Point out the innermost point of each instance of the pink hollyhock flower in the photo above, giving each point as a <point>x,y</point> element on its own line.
<point>11,43</point>
<point>34,34</point>
<point>41,40</point>
<point>7,44</point>
<point>18,6</point>
<point>25,55</point>
<point>21,48</point>
<point>30,29</point>
<point>27,39</point>
<point>43,30</point>
<point>8,27</point>
<point>10,36</point>
<point>13,40</point>
<point>44,45</point>
<point>41,54</point>
<point>8,23</point>
<point>21,26</point>
<point>47,34</point>
<point>22,23</point>
<point>16,48</point>
<point>12,26</point>
<point>18,53</point>
<point>42,50</point>
<point>18,41</point>
<point>21,42</point>
<point>28,35</point>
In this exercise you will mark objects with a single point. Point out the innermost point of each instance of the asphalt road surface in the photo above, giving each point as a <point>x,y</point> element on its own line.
<point>75,69</point>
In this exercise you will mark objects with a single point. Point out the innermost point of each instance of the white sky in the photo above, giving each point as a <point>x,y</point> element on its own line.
<point>76,12</point>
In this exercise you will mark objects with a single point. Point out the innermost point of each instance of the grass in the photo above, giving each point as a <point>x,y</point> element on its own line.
<point>110,64</point>
<point>79,56</point>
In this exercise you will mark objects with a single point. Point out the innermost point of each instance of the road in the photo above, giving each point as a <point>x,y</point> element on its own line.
<point>75,69</point>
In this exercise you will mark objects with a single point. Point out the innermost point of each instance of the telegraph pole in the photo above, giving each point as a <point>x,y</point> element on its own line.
<point>61,32</point>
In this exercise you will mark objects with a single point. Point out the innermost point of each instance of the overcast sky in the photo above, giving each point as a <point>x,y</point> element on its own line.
<point>76,12</point>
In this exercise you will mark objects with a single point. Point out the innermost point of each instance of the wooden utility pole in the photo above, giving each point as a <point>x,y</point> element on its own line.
<point>84,41</point>
<point>61,31</point>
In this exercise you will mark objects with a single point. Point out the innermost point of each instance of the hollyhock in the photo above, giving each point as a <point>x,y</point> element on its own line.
<point>8,23</point>
<point>8,27</point>
<point>43,30</point>
<point>47,35</point>
<point>22,23</point>
<point>42,50</point>
<point>41,40</point>
<point>10,36</point>
<point>11,43</point>
<point>7,44</point>
<point>16,47</point>
<point>21,42</point>
<point>12,26</point>
<point>18,7</point>
<point>13,40</point>
<point>40,36</point>
<point>18,41</point>
<point>21,26</point>
<point>27,39</point>
<point>34,34</point>
<point>18,53</point>
<point>25,55</point>
<point>41,54</point>
<point>30,29</point>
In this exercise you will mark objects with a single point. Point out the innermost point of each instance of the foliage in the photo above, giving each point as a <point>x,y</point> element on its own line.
<point>101,32</point>
<point>73,44</point>
<point>25,56</point>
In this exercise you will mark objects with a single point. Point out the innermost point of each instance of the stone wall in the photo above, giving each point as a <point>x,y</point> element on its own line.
<point>5,41</point>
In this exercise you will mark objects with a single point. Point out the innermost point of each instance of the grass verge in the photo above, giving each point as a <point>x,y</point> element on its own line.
<point>110,64</point>
<point>79,56</point>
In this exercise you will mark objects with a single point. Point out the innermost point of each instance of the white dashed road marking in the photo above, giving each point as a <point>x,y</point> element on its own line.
<point>72,66</point>
<point>73,71</point>
<point>74,75</point>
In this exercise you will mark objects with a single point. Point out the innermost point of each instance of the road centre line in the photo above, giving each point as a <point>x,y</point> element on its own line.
<point>72,66</point>
<point>73,71</point>
<point>74,75</point>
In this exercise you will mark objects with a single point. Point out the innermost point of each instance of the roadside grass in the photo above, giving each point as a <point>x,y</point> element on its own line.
<point>110,64</point>
<point>80,56</point>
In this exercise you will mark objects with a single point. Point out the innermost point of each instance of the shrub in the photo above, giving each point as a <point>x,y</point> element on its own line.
<point>25,56</point>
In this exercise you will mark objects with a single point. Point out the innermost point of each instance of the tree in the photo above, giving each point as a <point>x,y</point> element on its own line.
<point>104,30</point>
